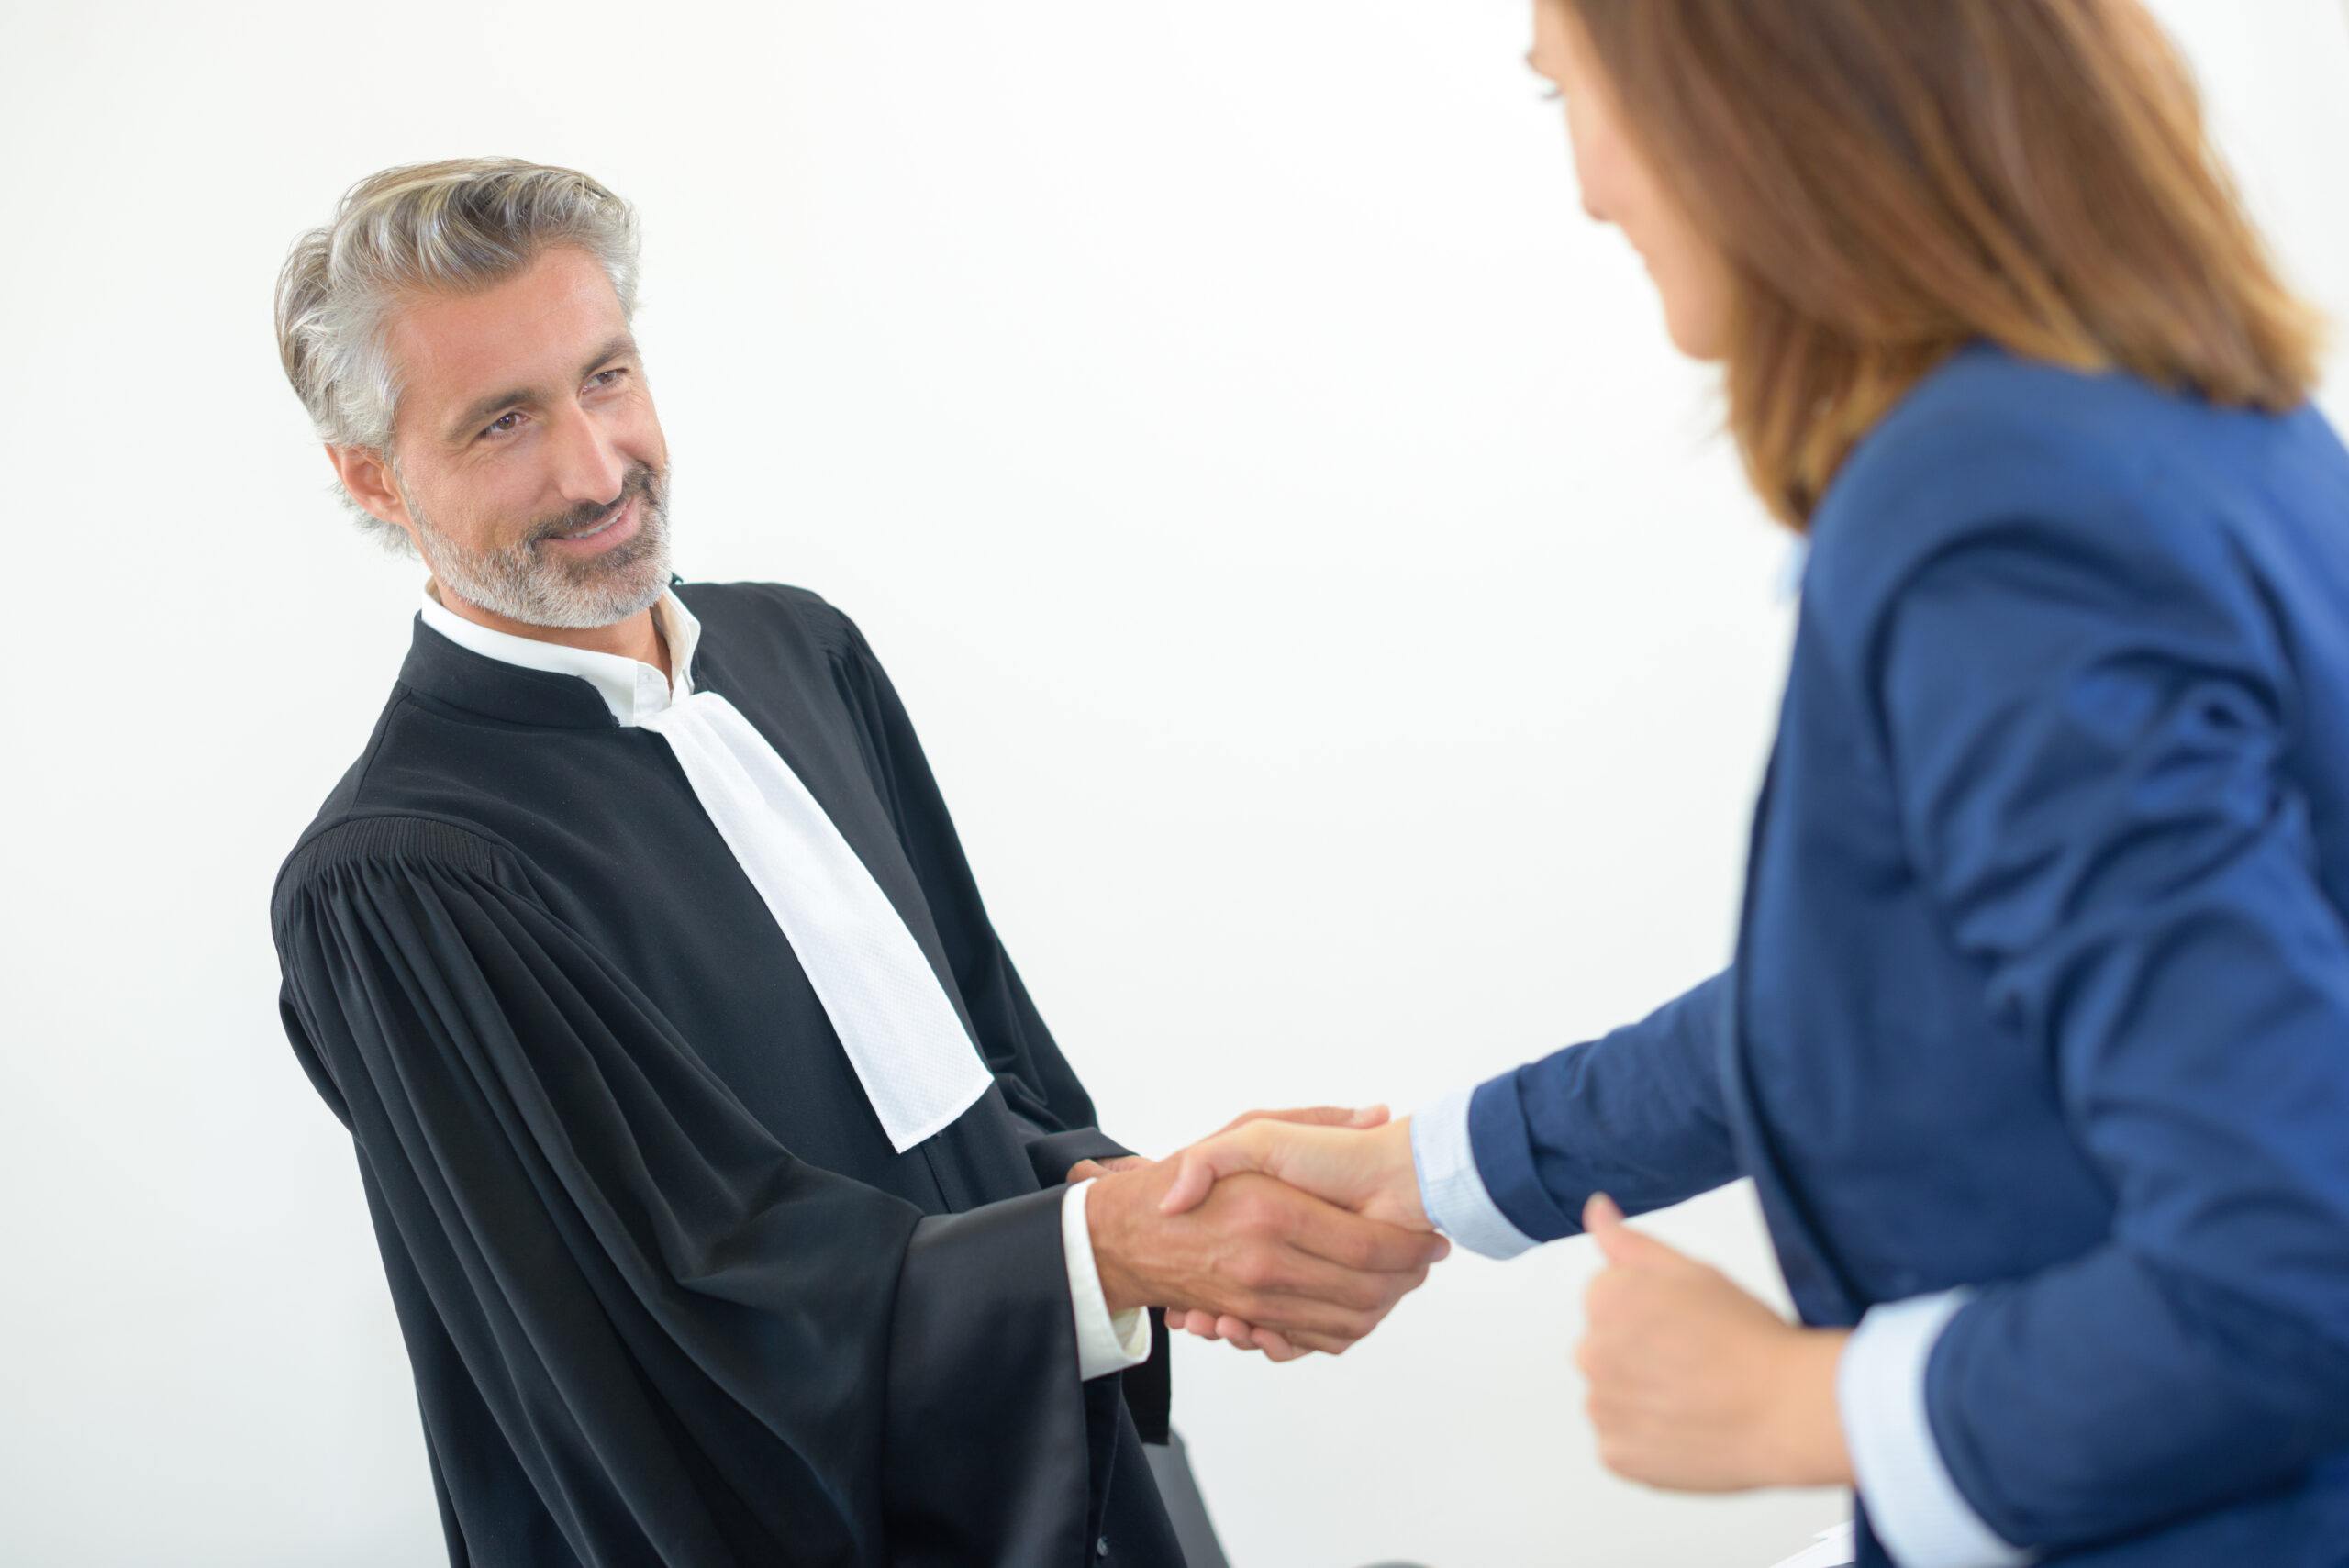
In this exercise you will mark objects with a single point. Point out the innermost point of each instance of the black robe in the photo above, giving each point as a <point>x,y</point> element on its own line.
<point>669,1295</point>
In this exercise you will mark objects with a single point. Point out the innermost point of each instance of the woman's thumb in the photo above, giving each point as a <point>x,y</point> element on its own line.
<point>1602,1218</point>
<point>1195,1177</point>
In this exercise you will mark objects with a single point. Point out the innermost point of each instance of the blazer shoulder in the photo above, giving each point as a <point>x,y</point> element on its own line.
<point>1994,447</point>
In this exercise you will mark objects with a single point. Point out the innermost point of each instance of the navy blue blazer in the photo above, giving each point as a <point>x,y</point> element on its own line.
<point>2043,982</point>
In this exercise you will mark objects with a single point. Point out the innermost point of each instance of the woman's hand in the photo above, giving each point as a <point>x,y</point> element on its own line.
<point>1304,1116</point>
<point>1695,1385</point>
<point>1365,1165</point>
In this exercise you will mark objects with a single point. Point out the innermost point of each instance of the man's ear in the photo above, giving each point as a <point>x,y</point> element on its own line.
<point>368,478</point>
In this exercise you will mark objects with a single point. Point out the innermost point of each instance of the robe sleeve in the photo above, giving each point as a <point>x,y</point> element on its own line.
<point>2092,734</point>
<point>693,1348</point>
<point>1038,1083</point>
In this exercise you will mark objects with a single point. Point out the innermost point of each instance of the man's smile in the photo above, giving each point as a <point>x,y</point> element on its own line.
<point>617,529</point>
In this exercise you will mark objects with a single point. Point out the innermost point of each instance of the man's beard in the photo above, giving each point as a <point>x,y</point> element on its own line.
<point>524,583</point>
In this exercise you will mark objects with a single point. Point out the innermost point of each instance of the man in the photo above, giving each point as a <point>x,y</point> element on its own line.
<point>715,1148</point>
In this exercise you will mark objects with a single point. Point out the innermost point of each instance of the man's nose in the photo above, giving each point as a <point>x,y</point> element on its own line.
<point>588,466</point>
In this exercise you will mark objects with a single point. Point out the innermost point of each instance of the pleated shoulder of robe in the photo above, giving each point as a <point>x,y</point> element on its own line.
<point>670,1294</point>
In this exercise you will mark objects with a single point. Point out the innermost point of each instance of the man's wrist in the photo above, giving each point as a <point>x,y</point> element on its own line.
<point>1107,1341</point>
<point>1109,1213</point>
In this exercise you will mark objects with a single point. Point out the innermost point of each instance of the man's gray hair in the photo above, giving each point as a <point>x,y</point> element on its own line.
<point>452,227</point>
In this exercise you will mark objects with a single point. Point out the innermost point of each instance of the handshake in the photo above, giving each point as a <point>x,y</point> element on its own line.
<point>1286,1233</point>
<point>1291,1232</point>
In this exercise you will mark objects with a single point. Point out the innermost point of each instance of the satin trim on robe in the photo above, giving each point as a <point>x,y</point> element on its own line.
<point>918,1066</point>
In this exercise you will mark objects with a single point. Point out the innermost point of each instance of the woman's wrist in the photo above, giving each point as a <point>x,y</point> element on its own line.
<point>1801,1441</point>
<point>1404,1205</point>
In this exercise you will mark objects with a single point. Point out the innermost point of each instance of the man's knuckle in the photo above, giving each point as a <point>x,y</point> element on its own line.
<point>1252,1270</point>
<point>1284,1215</point>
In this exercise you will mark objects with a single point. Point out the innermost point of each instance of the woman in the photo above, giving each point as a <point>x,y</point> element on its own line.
<point>2036,1042</point>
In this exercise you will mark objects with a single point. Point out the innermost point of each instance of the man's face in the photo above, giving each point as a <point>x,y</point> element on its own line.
<point>528,463</point>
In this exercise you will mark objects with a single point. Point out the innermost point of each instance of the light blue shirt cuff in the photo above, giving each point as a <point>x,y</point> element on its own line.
<point>1916,1509</point>
<point>1450,1189</point>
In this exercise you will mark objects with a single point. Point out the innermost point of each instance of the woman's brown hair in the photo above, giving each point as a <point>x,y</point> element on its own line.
<point>1892,181</point>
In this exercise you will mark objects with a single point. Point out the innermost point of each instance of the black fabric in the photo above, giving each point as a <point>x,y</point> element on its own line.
<point>1050,1154</point>
<point>1150,1387</point>
<point>669,1294</point>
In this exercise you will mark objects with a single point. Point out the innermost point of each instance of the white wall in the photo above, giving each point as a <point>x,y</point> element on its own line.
<point>1347,651</point>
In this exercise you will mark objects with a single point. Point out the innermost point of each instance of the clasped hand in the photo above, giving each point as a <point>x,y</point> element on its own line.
<point>1315,1274</point>
<point>1694,1383</point>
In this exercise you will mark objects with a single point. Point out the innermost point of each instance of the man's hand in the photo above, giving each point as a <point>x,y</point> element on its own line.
<point>1087,1169</point>
<point>1695,1385</point>
<point>1366,1167</point>
<point>1318,1276</point>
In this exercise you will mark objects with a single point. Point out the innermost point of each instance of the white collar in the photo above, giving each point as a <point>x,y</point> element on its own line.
<point>632,689</point>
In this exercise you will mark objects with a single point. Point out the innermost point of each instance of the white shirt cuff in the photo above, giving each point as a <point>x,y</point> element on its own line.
<point>1104,1344</point>
<point>1914,1506</point>
<point>1450,1190</point>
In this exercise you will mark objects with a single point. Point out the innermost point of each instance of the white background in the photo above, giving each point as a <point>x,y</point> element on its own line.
<point>1347,648</point>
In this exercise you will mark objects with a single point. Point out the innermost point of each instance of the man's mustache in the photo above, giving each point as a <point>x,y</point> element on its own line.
<point>640,481</point>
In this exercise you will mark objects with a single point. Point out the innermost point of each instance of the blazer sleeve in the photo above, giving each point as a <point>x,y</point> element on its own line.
<point>2089,738</point>
<point>1056,1115</point>
<point>694,1345</point>
<point>1636,1115</point>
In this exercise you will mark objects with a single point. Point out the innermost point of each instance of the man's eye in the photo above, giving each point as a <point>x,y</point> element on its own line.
<point>503,425</point>
<point>605,378</point>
